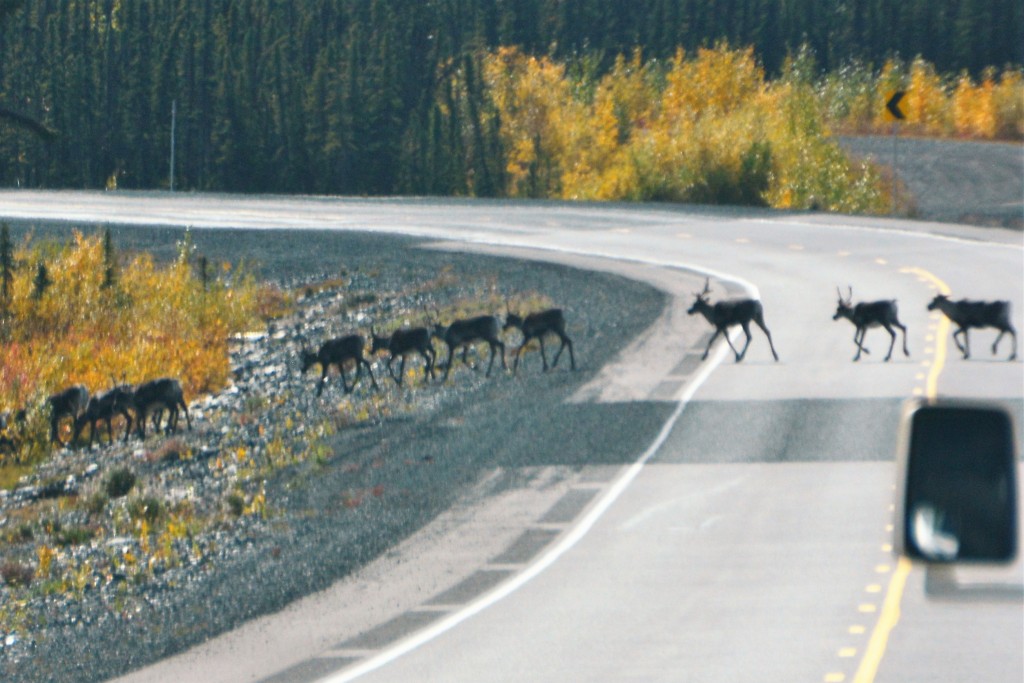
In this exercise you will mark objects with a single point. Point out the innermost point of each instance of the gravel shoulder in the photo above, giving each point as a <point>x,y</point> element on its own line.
<point>424,451</point>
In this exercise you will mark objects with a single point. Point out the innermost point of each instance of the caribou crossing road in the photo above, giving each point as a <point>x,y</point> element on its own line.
<point>751,540</point>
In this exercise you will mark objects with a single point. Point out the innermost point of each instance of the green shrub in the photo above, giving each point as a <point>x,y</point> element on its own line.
<point>120,482</point>
<point>149,508</point>
<point>236,503</point>
<point>16,574</point>
<point>75,535</point>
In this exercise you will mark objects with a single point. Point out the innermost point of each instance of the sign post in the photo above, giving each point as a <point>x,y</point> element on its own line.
<point>893,107</point>
<point>174,118</point>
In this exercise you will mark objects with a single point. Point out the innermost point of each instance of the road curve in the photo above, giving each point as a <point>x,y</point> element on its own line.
<point>750,541</point>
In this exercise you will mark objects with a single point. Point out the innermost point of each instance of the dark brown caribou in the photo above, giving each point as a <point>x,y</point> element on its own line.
<point>537,326</point>
<point>966,314</point>
<point>401,343</point>
<point>102,408</point>
<point>70,402</point>
<point>725,314</point>
<point>160,394</point>
<point>463,333</point>
<point>337,352</point>
<point>868,314</point>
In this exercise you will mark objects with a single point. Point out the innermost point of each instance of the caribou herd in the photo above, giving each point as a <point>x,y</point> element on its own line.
<point>137,404</point>
<point>150,400</point>
<point>964,313</point>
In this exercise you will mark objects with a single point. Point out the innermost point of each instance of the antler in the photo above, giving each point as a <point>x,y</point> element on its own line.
<point>707,288</point>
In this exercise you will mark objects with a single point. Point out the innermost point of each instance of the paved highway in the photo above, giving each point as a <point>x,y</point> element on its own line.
<point>751,540</point>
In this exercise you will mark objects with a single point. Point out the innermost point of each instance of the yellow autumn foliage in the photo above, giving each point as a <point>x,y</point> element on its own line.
<point>151,321</point>
<point>708,128</point>
<point>989,108</point>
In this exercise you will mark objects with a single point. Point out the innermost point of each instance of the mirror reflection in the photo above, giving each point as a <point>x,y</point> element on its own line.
<point>960,487</point>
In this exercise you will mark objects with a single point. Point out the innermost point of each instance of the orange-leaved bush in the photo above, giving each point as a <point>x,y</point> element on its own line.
<point>76,326</point>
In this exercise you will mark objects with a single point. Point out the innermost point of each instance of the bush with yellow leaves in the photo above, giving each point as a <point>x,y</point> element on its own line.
<point>70,314</point>
<point>708,129</point>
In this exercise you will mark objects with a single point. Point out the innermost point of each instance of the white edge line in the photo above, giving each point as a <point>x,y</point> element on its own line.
<point>570,539</point>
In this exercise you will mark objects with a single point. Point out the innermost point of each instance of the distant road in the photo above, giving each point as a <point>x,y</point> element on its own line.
<point>978,183</point>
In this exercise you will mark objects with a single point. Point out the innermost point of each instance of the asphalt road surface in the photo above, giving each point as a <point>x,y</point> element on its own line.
<point>750,540</point>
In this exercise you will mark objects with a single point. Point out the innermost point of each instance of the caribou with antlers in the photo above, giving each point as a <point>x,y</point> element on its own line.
<point>966,314</point>
<point>868,314</point>
<point>337,352</point>
<point>537,326</point>
<point>402,342</point>
<point>725,314</point>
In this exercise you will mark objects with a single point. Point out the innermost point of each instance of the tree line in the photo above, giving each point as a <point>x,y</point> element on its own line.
<point>382,96</point>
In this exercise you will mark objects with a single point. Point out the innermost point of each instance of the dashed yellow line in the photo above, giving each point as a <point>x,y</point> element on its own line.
<point>890,612</point>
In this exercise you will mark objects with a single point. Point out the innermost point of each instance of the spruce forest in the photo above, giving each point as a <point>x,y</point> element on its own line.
<point>693,100</point>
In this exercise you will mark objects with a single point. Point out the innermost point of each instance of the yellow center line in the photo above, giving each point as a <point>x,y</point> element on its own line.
<point>890,613</point>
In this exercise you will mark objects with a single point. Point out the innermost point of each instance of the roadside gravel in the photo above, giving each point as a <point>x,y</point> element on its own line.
<point>369,481</point>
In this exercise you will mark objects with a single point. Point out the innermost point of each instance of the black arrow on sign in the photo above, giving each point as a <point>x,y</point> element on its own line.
<point>893,105</point>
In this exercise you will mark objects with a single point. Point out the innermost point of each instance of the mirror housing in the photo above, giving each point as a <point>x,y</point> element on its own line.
<point>957,483</point>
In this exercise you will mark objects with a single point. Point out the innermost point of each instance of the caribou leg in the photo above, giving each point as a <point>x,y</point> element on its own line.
<point>448,365</point>
<point>759,319</point>
<point>711,341</point>
<point>491,363</point>
<point>362,362</point>
<point>429,360</point>
<point>1013,336</point>
<point>892,341</point>
<point>906,351</point>
<point>965,348</point>
<point>501,348</point>
<point>858,339</point>
<point>565,342</point>
<point>746,331</point>
<point>543,356</point>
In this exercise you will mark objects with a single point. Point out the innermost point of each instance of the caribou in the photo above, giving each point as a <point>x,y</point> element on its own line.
<point>337,352</point>
<point>725,314</point>
<point>102,408</point>
<point>160,394</point>
<point>537,326</point>
<point>402,342</point>
<point>462,333</point>
<point>70,402</point>
<point>868,314</point>
<point>966,314</point>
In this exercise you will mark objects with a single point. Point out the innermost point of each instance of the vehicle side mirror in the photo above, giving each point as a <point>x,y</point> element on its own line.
<point>957,489</point>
